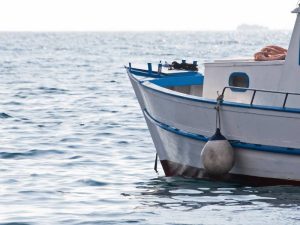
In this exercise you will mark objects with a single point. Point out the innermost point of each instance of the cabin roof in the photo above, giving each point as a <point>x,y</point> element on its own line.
<point>243,62</point>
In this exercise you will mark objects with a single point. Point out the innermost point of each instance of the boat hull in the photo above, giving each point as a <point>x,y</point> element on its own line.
<point>180,155</point>
<point>180,127</point>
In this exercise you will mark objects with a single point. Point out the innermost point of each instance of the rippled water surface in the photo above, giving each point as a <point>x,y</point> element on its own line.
<point>74,147</point>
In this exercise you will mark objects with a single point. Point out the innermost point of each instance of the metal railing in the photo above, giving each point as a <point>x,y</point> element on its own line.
<point>287,94</point>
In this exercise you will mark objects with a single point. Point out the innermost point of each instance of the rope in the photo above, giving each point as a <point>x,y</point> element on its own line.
<point>155,163</point>
<point>218,116</point>
<point>271,52</point>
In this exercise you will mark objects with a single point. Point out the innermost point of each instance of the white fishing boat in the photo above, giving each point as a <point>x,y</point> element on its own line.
<point>255,104</point>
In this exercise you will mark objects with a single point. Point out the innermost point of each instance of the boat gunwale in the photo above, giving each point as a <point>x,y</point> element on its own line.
<point>152,86</point>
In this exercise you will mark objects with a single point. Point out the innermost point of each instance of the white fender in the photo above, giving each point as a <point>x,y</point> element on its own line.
<point>217,155</point>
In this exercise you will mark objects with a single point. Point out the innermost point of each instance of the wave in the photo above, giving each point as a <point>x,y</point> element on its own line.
<point>91,182</point>
<point>28,154</point>
<point>4,116</point>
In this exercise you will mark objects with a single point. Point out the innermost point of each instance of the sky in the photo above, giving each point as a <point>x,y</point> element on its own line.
<point>143,15</point>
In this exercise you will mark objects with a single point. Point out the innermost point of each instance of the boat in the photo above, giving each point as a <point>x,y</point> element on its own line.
<point>252,105</point>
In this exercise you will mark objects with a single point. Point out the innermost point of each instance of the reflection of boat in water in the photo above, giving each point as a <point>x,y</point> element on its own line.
<point>259,109</point>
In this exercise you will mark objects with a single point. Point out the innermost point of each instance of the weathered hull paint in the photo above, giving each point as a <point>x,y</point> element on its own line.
<point>172,169</point>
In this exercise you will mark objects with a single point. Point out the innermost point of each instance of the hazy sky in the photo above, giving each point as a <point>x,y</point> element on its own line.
<point>140,15</point>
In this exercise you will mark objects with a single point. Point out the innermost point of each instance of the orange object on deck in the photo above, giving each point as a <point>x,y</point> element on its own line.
<point>270,53</point>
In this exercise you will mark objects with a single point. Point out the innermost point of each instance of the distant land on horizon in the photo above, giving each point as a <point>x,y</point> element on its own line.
<point>251,27</point>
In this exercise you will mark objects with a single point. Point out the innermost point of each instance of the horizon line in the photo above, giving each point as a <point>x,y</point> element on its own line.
<point>135,31</point>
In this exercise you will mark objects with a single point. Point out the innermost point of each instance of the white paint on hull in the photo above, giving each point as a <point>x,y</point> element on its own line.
<point>187,151</point>
<point>250,125</point>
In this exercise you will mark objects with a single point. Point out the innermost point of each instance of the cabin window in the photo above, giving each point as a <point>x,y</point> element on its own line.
<point>239,79</point>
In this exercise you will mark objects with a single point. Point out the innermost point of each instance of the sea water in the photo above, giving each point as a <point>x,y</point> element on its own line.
<point>75,149</point>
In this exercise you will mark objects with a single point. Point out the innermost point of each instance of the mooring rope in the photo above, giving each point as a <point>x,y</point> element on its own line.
<point>218,116</point>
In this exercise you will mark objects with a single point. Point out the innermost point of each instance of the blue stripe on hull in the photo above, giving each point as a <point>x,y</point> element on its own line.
<point>299,53</point>
<point>234,143</point>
